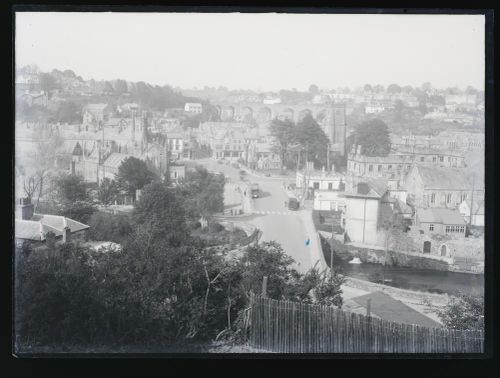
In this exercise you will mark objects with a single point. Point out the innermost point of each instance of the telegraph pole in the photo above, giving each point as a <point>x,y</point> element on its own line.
<point>331,254</point>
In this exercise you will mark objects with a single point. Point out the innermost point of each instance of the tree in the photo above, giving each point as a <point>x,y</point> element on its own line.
<point>470,90</point>
<point>110,227</point>
<point>202,193</point>
<point>407,89</point>
<point>107,192</point>
<point>108,88</point>
<point>282,131</point>
<point>48,83</point>
<point>313,140</point>
<point>133,174</point>
<point>466,312</point>
<point>161,214</point>
<point>373,137</point>
<point>313,89</point>
<point>72,199</point>
<point>368,88</point>
<point>426,87</point>
<point>67,112</point>
<point>378,88</point>
<point>393,89</point>
<point>121,86</point>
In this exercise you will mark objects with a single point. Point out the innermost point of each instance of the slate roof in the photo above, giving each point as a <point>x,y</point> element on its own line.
<point>115,159</point>
<point>40,224</point>
<point>447,178</point>
<point>440,215</point>
<point>95,107</point>
<point>376,189</point>
<point>390,309</point>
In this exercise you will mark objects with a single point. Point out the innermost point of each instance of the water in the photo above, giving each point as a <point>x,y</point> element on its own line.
<point>415,279</point>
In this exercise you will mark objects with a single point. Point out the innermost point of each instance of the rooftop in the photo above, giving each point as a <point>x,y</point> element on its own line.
<point>115,160</point>
<point>440,215</point>
<point>390,309</point>
<point>40,224</point>
<point>447,178</point>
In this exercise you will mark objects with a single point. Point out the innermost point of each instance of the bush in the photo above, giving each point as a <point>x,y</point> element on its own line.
<point>215,228</point>
<point>110,227</point>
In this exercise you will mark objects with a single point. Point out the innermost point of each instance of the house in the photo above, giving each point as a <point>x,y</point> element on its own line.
<point>441,187</point>
<point>398,163</point>
<point>329,200</point>
<point>440,221</point>
<point>109,167</point>
<point>374,108</point>
<point>179,144</point>
<point>31,227</point>
<point>193,107</point>
<point>366,208</point>
<point>477,212</point>
<point>262,156</point>
<point>94,115</point>
<point>319,179</point>
<point>36,98</point>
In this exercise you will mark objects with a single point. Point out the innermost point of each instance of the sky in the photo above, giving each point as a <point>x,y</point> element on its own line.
<point>257,51</point>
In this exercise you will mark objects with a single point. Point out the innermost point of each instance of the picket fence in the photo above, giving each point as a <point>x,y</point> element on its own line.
<point>291,327</point>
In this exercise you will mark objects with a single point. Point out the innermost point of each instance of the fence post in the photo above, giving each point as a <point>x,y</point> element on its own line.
<point>264,287</point>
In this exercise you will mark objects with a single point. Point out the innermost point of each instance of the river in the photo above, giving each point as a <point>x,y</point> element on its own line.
<point>416,279</point>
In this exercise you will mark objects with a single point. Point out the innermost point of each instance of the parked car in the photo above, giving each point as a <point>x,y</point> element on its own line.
<point>293,203</point>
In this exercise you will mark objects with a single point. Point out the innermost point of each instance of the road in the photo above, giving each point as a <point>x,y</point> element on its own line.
<point>289,228</point>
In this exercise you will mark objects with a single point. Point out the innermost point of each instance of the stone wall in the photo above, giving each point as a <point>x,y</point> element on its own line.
<point>347,252</point>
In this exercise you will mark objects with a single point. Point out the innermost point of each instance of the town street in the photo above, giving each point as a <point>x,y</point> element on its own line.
<point>289,228</point>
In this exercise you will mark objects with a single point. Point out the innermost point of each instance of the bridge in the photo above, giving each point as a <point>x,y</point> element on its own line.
<point>331,117</point>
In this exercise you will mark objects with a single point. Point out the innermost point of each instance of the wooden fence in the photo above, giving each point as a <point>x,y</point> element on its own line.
<point>290,327</point>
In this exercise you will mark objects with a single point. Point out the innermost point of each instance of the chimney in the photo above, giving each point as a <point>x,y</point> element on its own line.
<point>25,209</point>
<point>66,234</point>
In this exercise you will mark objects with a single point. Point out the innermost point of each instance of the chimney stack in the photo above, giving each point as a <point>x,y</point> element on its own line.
<point>25,209</point>
<point>66,234</point>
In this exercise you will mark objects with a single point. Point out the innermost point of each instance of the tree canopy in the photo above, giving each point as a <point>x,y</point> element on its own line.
<point>466,312</point>
<point>283,133</point>
<point>373,136</point>
<point>202,193</point>
<point>133,174</point>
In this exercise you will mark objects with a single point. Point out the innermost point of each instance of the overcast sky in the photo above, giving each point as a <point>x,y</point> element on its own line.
<point>257,51</point>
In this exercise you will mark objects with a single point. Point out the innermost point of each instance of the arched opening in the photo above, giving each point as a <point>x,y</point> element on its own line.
<point>444,250</point>
<point>264,114</point>
<point>321,116</point>
<point>427,247</point>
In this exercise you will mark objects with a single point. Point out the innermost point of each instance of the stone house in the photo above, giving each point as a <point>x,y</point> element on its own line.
<point>193,107</point>
<point>32,228</point>
<point>441,187</point>
<point>440,221</point>
<point>366,209</point>
<point>94,115</point>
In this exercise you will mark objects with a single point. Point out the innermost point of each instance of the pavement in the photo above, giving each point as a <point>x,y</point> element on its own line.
<point>291,229</point>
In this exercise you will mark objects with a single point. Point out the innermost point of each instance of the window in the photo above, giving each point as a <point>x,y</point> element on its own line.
<point>427,247</point>
<point>433,198</point>
<point>316,185</point>
<point>448,198</point>
<point>422,158</point>
<point>434,159</point>
<point>389,167</point>
<point>447,229</point>
<point>443,250</point>
<point>464,196</point>
<point>441,158</point>
<point>431,227</point>
<point>379,168</point>
<point>370,168</point>
<point>330,186</point>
